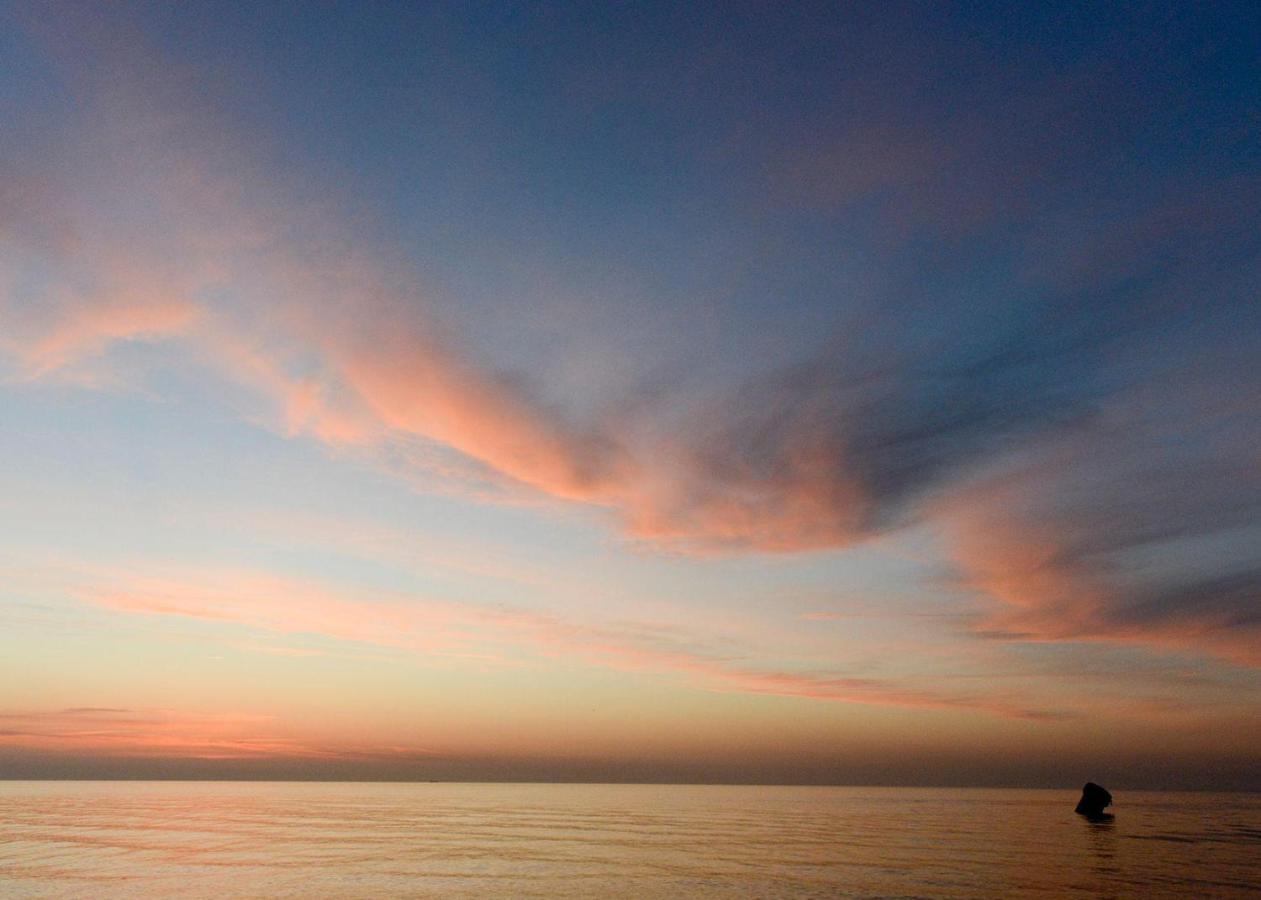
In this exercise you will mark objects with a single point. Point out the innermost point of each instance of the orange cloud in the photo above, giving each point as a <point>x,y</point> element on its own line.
<point>84,329</point>
<point>305,404</point>
<point>335,336</point>
<point>1059,582</point>
<point>416,386</point>
<point>289,606</point>
<point>179,235</point>
<point>154,733</point>
<point>487,633</point>
<point>336,344</point>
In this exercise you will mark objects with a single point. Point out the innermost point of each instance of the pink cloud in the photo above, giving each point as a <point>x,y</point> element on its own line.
<point>333,335</point>
<point>468,631</point>
<point>335,344</point>
<point>418,387</point>
<point>303,404</point>
<point>180,236</point>
<point>82,329</point>
<point>156,733</point>
<point>1061,563</point>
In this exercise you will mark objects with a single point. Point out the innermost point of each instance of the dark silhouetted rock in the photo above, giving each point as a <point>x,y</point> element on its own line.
<point>1094,800</point>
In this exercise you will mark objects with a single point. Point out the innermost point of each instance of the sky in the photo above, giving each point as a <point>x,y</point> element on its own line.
<point>811,393</point>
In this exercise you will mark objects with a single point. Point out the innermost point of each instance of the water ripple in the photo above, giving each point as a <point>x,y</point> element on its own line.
<point>190,840</point>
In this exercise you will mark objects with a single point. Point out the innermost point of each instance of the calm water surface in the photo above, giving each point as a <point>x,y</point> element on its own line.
<point>208,839</point>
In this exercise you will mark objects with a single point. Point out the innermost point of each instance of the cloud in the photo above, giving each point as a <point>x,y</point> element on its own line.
<point>837,450</point>
<point>496,635</point>
<point>982,412</point>
<point>154,733</point>
<point>419,387</point>
<point>85,329</point>
<point>1140,527</point>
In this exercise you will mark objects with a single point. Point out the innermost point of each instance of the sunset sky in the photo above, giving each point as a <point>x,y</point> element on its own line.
<point>812,393</point>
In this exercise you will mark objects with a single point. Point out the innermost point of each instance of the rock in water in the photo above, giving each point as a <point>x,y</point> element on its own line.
<point>1094,800</point>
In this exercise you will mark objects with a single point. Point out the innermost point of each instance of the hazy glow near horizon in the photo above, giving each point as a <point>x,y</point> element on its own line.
<point>807,394</point>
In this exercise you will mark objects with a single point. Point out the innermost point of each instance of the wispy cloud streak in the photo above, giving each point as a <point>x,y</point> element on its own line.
<point>496,635</point>
<point>156,733</point>
<point>901,419</point>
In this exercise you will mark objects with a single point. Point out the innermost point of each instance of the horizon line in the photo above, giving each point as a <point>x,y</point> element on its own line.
<point>640,783</point>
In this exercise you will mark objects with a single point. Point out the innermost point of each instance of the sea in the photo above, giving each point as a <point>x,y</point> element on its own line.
<point>346,840</point>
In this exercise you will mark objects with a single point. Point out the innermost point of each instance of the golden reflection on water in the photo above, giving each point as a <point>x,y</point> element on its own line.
<point>214,839</point>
